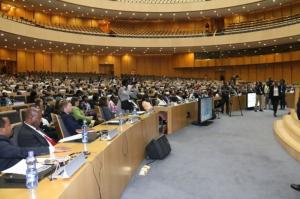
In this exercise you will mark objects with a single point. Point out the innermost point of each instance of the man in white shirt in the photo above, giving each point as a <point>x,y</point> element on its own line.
<point>30,135</point>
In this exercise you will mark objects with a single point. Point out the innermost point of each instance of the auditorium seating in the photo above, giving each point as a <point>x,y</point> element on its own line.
<point>127,31</point>
<point>12,115</point>
<point>255,25</point>
<point>287,130</point>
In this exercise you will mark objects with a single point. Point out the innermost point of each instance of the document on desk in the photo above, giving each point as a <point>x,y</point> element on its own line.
<point>71,138</point>
<point>20,168</point>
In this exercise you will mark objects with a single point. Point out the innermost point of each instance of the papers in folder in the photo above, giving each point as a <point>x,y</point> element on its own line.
<point>71,138</point>
<point>114,122</point>
<point>20,168</point>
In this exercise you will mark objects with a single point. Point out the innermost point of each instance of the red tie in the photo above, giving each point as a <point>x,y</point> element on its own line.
<point>50,140</point>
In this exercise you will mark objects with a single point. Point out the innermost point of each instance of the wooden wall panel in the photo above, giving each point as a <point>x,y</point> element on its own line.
<point>287,72</point>
<point>39,62</point>
<point>79,64</point>
<point>296,72</point>
<point>8,54</point>
<point>260,72</point>
<point>47,62</point>
<point>252,73</point>
<point>72,63</point>
<point>277,71</point>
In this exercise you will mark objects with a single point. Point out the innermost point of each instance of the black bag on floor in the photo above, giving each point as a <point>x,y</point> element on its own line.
<point>158,148</point>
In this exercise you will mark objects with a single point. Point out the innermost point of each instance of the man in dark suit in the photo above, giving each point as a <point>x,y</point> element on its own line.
<point>11,154</point>
<point>30,134</point>
<point>69,121</point>
<point>282,90</point>
<point>274,95</point>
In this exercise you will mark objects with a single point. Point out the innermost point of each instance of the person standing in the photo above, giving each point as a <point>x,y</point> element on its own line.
<point>282,90</point>
<point>225,92</point>
<point>267,97</point>
<point>274,95</point>
<point>259,96</point>
<point>124,95</point>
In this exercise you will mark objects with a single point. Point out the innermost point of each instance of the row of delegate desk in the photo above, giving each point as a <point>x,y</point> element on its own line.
<point>111,164</point>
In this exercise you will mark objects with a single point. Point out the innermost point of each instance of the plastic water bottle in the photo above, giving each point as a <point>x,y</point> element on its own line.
<point>32,177</point>
<point>121,117</point>
<point>84,132</point>
<point>134,112</point>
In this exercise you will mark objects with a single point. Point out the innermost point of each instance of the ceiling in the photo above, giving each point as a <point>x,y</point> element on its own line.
<point>73,10</point>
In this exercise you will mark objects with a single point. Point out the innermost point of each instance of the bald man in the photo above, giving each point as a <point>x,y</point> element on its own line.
<point>30,134</point>
<point>11,154</point>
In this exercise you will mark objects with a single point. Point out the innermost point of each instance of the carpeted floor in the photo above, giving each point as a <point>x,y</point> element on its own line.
<point>233,158</point>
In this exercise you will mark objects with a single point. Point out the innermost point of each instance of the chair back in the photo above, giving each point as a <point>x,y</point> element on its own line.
<point>22,114</point>
<point>62,127</point>
<point>57,126</point>
<point>99,112</point>
<point>12,115</point>
<point>16,127</point>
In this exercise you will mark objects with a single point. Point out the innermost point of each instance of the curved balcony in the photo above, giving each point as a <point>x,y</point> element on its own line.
<point>84,37</point>
<point>148,7</point>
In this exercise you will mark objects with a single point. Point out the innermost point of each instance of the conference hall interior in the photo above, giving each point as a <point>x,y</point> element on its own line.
<point>152,99</point>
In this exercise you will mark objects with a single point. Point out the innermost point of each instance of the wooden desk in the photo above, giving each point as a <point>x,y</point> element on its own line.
<point>108,169</point>
<point>290,100</point>
<point>179,116</point>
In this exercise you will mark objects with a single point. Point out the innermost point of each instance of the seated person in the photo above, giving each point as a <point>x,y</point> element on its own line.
<point>77,113</point>
<point>87,108</point>
<point>159,100</point>
<point>107,114</point>
<point>11,154</point>
<point>174,98</point>
<point>146,104</point>
<point>5,100</point>
<point>298,108</point>
<point>49,108</point>
<point>72,125</point>
<point>30,133</point>
<point>112,104</point>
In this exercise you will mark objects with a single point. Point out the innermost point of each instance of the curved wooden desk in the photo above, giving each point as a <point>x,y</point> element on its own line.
<point>108,169</point>
<point>179,116</point>
<point>287,131</point>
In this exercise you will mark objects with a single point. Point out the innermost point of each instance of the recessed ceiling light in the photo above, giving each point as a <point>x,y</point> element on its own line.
<point>19,38</point>
<point>2,34</point>
<point>244,7</point>
<point>92,9</point>
<point>5,46</point>
<point>65,5</point>
<point>78,8</point>
<point>147,14</point>
<point>258,4</point>
<point>5,39</point>
<point>120,13</point>
<point>228,9</point>
<point>41,4</point>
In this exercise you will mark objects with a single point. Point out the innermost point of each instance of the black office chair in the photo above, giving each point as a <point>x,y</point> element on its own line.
<point>16,130</point>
